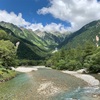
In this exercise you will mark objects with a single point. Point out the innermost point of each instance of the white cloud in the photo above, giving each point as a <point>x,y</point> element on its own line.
<point>13,18</point>
<point>19,21</point>
<point>49,27</point>
<point>77,12</point>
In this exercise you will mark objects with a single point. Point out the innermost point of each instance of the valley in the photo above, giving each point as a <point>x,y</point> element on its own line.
<point>49,49</point>
<point>58,52</point>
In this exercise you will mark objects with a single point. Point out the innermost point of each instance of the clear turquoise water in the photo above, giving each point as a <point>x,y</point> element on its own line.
<point>25,87</point>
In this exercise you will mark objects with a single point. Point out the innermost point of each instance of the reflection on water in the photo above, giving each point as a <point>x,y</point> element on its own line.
<point>46,84</point>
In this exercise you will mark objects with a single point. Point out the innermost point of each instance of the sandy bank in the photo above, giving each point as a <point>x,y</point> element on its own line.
<point>87,78</point>
<point>27,69</point>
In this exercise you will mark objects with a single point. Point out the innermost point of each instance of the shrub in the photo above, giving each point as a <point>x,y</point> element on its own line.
<point>7,53</point>
<point>94,69</point>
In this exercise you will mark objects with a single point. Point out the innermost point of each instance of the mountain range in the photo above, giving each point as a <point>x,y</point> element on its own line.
<point>31,44</point>
<point>37,44</point>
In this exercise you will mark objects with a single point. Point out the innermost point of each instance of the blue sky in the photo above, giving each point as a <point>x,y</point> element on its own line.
<point>28,8</point>
<point>58,15</point>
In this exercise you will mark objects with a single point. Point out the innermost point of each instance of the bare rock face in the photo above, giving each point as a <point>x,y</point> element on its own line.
<point>97,38</point>
<point>17,44</point>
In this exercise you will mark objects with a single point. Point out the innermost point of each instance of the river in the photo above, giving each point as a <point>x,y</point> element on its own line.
<point>47,84</point>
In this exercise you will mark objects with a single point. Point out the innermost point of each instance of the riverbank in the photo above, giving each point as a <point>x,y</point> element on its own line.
<point>92,81</point>
<point>6,74</point>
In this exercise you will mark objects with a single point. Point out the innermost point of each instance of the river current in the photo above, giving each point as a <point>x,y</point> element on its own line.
<point>47,84</point>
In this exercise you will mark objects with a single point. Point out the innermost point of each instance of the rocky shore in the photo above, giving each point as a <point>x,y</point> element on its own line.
<point>92,81</point>
<point>27,69</point>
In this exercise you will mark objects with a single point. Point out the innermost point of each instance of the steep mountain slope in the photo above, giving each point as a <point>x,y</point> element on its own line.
<point>25,34</point>
<point>26,49</point>
<point>43,40</point>
<point>89,32</point>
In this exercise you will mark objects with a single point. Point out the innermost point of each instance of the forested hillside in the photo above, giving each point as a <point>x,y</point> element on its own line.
<point>88,32</point>
<point>25,50</point>
<point>85,56</point>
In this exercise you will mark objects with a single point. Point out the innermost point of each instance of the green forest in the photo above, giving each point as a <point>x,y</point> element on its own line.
<point>83,56</point>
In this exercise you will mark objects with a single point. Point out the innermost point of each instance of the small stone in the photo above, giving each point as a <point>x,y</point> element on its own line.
<point>95,96</point>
